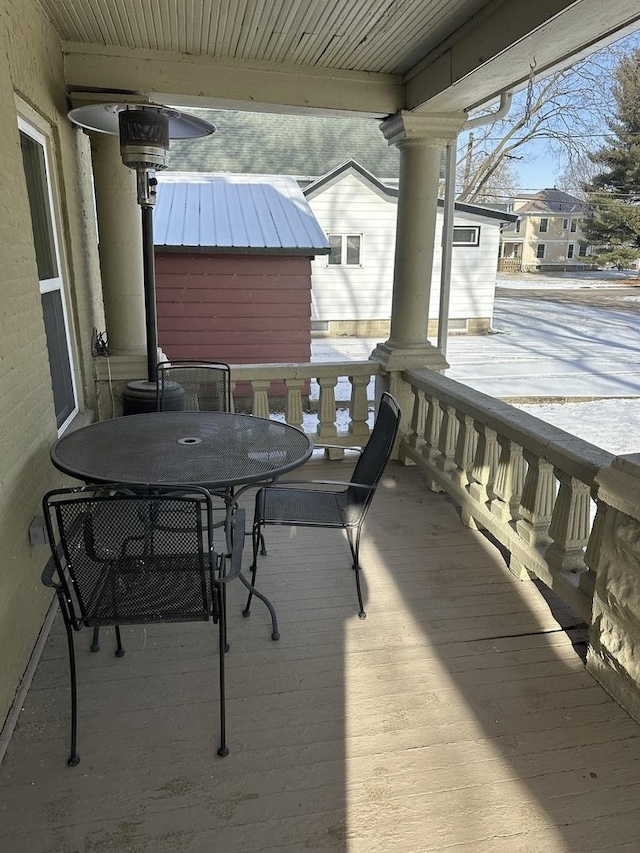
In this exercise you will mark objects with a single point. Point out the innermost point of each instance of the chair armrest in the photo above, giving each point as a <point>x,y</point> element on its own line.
<point>48,572</point>
<point>238,544</point>
<point>279,483</point>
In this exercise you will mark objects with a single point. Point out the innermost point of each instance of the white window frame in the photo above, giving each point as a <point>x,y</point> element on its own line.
<point>583,251</point>
<point>573,226</point>
<point>32,126</point>
<point>571,250</point>
<point>474,242</point>
<point>543,246</point>
<point>343,248</point>
<point>545,220</point>
<point>565,224</point>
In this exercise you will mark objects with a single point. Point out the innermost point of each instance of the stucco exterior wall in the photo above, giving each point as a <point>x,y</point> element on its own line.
<point>31,67</point>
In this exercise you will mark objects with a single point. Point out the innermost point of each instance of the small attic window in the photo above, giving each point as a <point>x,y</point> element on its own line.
<point>466,236</point>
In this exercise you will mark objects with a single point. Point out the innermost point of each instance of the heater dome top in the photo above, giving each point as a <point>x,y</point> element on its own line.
<point>104,118</point>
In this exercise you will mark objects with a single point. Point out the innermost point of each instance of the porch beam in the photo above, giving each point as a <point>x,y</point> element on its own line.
<point>495,49</point>
<point>201,81</point>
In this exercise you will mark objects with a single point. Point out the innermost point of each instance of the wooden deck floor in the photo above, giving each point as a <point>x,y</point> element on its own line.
<point>457,716</point>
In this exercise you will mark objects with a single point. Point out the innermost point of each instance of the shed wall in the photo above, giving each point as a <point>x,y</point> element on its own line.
<point>235,308</point>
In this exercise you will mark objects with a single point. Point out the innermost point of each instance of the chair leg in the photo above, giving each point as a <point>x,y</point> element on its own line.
<point>119,649</point>
<point>95,643</point>
<point>256,535</point>
<point>222,632</point>
<point>355,550</point>
<point>74,758</point>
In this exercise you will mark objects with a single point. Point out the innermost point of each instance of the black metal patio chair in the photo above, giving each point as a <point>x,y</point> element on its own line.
<point>194,386</point>
<point>113,565</point>
<point>296,503</point>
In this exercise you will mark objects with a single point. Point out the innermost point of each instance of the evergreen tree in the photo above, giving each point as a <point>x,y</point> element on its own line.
<point>614,193</point>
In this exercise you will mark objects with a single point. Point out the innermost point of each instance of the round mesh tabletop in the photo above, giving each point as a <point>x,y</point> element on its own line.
<point>211,449</point>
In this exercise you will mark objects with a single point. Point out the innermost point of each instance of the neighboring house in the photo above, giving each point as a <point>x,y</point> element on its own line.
<point>547,234</point>
<point>356,204</point>
<point>352,286</point>
<point>233,267</point>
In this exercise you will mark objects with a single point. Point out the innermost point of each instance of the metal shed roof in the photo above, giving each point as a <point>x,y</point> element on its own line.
<point>236,213</point>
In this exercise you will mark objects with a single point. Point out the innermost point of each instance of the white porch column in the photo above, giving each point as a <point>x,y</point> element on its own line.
<point>420,139</point>
<point>120,247</point>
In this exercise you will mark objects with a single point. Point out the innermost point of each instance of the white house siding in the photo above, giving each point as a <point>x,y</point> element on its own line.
<point>349,205</point>
<point>353,299</point>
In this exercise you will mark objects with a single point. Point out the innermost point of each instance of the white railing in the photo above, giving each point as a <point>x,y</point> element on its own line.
<point>526,482</point>
<point>338,397</point>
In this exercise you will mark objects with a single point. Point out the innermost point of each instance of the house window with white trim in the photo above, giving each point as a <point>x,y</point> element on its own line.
<point>574,226</point>
<point>346,250</point>
<point>518,221</point>
<point>540,250</point>
<point>565,224</point>
<point>467,236</point>
<point>582,251</point>
<point>570,250</point>
<point>36,160</point>
<point>544,225</point>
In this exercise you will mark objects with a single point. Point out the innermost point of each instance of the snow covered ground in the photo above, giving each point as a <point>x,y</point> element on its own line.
<point>544,350</point>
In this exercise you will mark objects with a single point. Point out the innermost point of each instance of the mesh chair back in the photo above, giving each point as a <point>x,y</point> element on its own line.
<point>194,386</point>
<point>121,567</point>
<point>377,451</point>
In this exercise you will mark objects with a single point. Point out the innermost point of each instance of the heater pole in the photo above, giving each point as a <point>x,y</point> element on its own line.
<point>149,281</point>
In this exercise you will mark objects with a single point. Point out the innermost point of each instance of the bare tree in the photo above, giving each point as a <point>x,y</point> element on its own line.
<point>567,110</point>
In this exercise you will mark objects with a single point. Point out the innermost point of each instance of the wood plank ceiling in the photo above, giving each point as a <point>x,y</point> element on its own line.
<point>383,36</point>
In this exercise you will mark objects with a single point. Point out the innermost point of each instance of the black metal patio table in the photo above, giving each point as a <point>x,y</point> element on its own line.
<point>224,452</point>
<point>216,450</point>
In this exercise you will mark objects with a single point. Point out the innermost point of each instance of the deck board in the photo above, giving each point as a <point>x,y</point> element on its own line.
<point>457,716</point>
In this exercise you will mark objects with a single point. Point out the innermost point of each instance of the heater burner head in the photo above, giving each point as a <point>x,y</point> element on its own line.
<point>144,139</point>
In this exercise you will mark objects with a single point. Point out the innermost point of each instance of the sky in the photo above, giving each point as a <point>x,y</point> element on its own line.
<point>536,167</point>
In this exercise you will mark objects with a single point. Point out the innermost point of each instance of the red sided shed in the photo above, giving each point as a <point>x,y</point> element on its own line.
<point>233,267</point>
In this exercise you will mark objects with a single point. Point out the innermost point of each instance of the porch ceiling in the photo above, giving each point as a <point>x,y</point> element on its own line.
<point>359,56</point>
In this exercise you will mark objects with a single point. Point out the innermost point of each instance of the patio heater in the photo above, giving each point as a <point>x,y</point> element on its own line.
<point>144,131</point>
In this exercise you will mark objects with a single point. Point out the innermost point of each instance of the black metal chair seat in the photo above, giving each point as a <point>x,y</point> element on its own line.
<point>310,507</point>
<point>345,507</point>
<point>113,565</point>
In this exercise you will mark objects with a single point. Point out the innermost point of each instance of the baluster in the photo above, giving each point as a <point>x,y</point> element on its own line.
<point>233,402</point>
<point>587,581</point>
<point>327,414</point>
<point>509,482</point>
<point>569,529</point>
<point>293,405</point>
<point>465,450</point>
<point>485,464</point>
<point>538,497</point>
<point>418,419</point>
<point>432,428</point>
<point>260,391</point>
<point>359,410</point>
<point>447,439</point>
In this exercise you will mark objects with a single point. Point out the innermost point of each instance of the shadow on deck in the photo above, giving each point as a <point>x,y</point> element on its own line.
<point>457,716</point>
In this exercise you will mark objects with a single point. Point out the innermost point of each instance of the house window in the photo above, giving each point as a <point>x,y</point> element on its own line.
<point>574,225</point>
<point>570,249</point>
<point>544,226</point>
<point>35,158</point>
<point>517,226</point>
<point>346,250</point>
<point>565,224</point>
<point>466,236</point>
<point>540,250</point>
<point>582,251</point>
